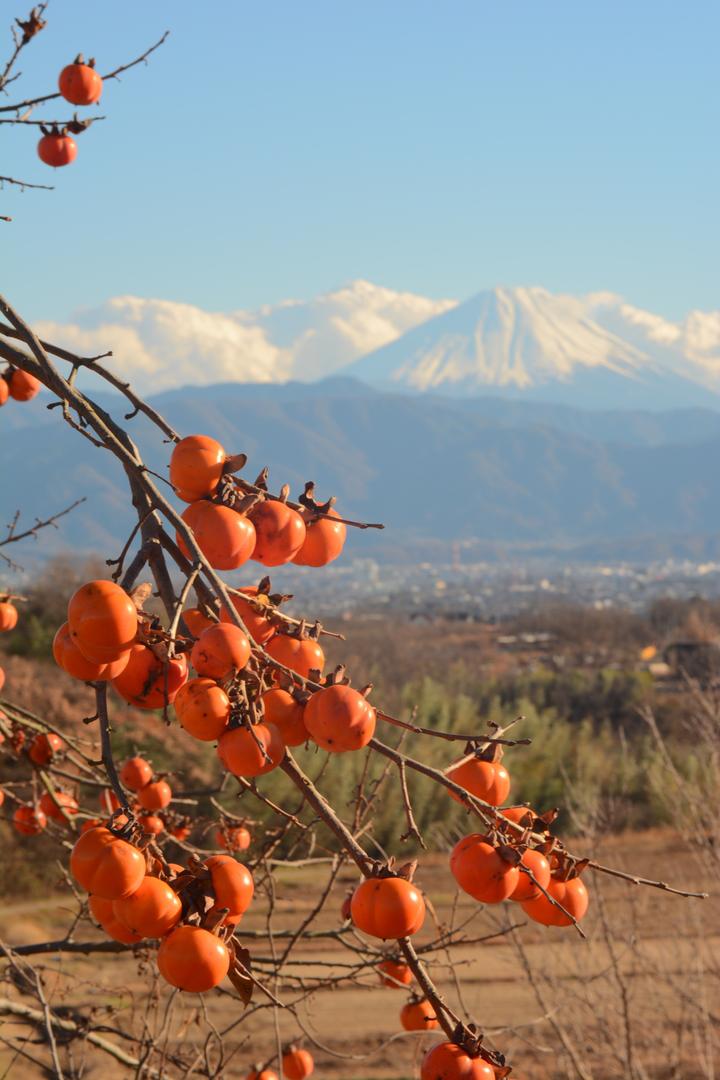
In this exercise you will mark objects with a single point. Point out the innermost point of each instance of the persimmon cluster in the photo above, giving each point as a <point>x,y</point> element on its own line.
<point>229,529</point>
<point>32,818</point>
<point>229,701</point>
<point>191,910</point>
<point>522,864</point>
<point>152,795</point>
<point>80,84</point>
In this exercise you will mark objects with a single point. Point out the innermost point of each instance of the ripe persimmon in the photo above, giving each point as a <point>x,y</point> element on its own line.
<point>29,820</point>
<point>232,884</point>
<point>264,1074</point>
<point>419,1016</point>
<point>105,865</point>
<point>387,907</point>
<point>395,974</point>
<point>191,958</point>
<point>23,386</point>
<point>196,621</point>
<point>520,815</point>
<point>102,911</point>
<point>115,930</point>
<point>279,531</point>
<point>148,682</point>
<point>4,391</point>
<point>80,84</point>
<point>102,620</point>
<point>53,805</point>
<point>203,709</point>
<point>155,796</point>
<point>297,1064</point>
<point>251,753</point>
<point>151,911</point>
<point>68,656</point>
<point>258,626</point>
<point>220,650</point>
<point>573,896</point>
<point>539,867</point>
<point>2,678</point>
<point>8,616</point>
<point>233,838</point>
<point>487,780</point>
<point>339,718</point>
<point>447,1061</point>
<point>288,715</point>
<point>225,537</point>
<point>481,871</point>
<point>196,465</point>
<point>324,539</point>
<point>151,824</point>
<point>180,832</point>
<point>301,655</point>
<point>44,747</point>
<point>135,774</point>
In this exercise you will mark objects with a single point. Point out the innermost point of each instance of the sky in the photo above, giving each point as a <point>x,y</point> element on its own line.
<point>279,149</point>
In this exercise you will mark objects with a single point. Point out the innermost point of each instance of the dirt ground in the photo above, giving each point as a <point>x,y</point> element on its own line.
<point>641,990</point>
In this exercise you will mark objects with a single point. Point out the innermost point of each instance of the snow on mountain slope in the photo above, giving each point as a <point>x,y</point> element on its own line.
<point>588,350</point>
<point>159,344</point>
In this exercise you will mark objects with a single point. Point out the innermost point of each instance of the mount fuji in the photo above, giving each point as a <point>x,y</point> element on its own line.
<point>592,351</point>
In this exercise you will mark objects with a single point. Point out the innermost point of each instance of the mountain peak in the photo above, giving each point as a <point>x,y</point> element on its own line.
<point>592,350</point>
<point>503,337</point>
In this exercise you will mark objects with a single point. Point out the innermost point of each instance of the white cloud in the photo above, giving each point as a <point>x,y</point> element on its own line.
<point>158,344</point>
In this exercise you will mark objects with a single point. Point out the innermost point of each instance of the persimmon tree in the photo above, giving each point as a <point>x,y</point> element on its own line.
<point>229,667</point>
<point>159,871</point>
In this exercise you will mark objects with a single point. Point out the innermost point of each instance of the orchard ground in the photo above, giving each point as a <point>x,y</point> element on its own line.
<point>659,986</point>
<point>640,990</point>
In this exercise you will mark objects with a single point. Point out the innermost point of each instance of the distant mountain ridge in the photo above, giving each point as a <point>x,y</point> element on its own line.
<point>593,351</point>
<point>495,475</point>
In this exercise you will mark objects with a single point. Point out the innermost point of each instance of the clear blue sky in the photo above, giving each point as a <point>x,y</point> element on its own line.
<point>280,148</point>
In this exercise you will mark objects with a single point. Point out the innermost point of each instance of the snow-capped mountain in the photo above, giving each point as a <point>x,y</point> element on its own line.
<point>158,344</point>
<point>592,350</point>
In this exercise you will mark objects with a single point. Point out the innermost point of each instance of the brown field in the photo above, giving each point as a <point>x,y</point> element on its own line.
<point>644,991</point>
